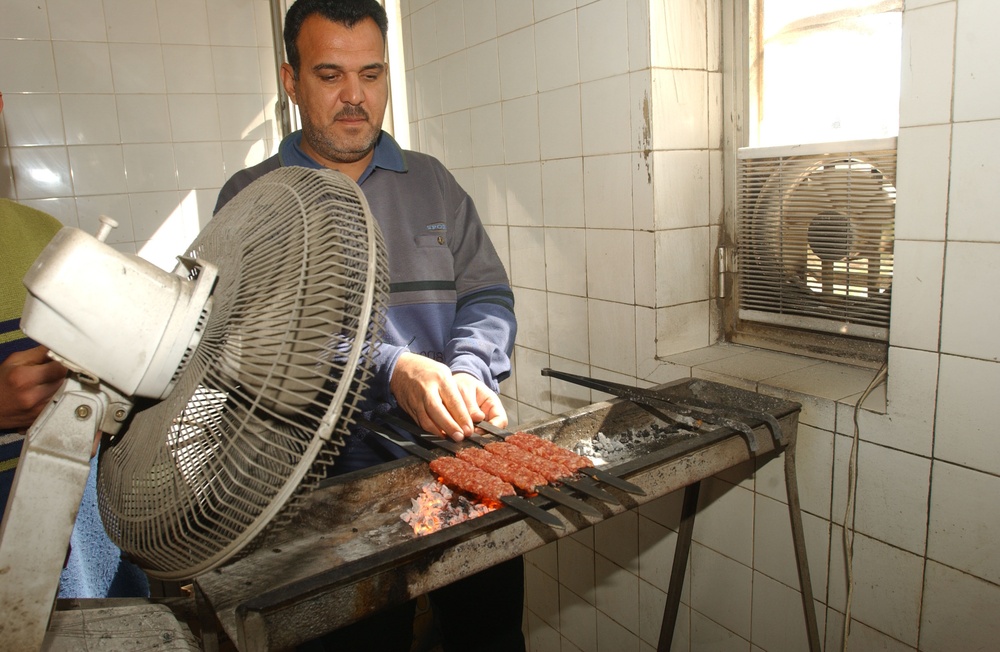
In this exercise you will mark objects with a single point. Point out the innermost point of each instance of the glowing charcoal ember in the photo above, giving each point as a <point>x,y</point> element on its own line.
<point>467,477</point>
<point>438,507</point>
<point>548,450</point>
<point>550,470</point>
<point>520,476</point>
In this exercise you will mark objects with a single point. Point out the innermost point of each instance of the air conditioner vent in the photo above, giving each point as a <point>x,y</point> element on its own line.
<point>815,236</point>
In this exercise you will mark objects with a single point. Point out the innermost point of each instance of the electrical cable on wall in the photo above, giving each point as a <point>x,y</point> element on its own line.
<point>852,486</point>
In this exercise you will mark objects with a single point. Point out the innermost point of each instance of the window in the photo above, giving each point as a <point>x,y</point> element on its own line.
<point>811,174</point>
<point>823,70</point>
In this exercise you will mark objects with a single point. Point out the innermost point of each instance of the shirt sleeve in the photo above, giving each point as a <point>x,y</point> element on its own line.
<point>483,335</point>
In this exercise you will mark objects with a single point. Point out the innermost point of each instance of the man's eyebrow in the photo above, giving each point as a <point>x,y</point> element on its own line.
<point>380,66</point>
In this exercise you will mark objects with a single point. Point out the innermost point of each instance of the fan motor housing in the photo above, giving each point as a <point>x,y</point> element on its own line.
<point>82,291</point>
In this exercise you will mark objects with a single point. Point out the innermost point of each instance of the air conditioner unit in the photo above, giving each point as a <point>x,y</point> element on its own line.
<point>814,229</point>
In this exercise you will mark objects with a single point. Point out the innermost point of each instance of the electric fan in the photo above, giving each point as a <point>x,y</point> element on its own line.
<point>223,390</point>
<point>816,238</point>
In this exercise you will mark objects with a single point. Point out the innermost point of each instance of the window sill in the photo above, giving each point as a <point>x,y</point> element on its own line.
<point>797,377</point>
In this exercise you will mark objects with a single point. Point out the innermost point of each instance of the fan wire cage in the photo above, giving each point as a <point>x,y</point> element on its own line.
<point>262,405</point>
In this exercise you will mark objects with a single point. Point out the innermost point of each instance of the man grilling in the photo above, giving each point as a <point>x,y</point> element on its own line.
<point>450,323</point>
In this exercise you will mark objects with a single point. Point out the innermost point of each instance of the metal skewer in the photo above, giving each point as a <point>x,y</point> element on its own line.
<point>453,447</point>
<point>686,412</point>
<point>516,502</point>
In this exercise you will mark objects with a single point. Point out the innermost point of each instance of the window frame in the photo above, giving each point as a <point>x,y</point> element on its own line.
<point>737,41</point>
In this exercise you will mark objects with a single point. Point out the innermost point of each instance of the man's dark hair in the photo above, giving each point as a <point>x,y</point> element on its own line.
<point>345,12</point>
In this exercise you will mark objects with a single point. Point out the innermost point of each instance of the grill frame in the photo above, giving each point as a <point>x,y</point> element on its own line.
<point>327,570</point>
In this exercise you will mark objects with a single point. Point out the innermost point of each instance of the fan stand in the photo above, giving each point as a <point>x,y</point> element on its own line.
<point>48,486</point>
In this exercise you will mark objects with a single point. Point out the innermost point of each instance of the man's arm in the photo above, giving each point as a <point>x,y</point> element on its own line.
<point>482,336</point>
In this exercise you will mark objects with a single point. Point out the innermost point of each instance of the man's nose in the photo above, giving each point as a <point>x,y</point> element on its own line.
<point>351,92</point>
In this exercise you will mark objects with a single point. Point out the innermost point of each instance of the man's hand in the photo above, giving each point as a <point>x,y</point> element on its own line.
<point>483,402</point>
<point>28,380</point>
<point>440,402</point>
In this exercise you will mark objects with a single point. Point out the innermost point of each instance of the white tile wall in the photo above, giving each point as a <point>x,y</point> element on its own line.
<point>973,166</point>
<point>911,403</point>
<point>557,52</point>
<point>958,606</point>
<point>773,545</point>
<point>611,250</point>
<point>566,261</point>
<point>814,461</point>
<point>977,84</point>
<point>884,472</point>
<point>527,246</point>
<point>725,520</point>
<point>605,116</point>
<point>962,521</point>
<point>965,433</point>
<point>480,21</point>
<point>455,68</point>
<point>524,204</point>
<point>682,184</point>
<point>484,73</point>
<point>673,48</point>
<point>584,128</point>
<point>535,333</point>
<point>641,152</point>
<point>923,157</point>
<point>927,76</point>
<point>683,327</point>
<point>517,64</point>
<point>563,193</point>
<point>971,288</point>
<point>722,590</point>
<point>487,139</point>
<point>772,629</point>
<point>887,587</point>
<point>679,107</point>
<point>603,31</point>
<point>458,145</point>
<point>613,324</point>
<point>35,120</point>
<point>606,195</point>
<point>706,634</point>
<point>520,130</point>
<point>916,292</point>
<point>126,107</point>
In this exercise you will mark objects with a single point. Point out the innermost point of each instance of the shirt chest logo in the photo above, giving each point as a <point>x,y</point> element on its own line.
<point>438,231</point>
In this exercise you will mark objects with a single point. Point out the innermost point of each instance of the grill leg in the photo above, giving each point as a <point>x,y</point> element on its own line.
<point>210,635</point>
<point>798,539</point>
<point>677,572</point>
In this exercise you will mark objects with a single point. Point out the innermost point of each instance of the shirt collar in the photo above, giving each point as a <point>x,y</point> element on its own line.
<point>388,155</point>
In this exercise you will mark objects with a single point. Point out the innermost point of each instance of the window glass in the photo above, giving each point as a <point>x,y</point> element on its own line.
<point>823,70</point>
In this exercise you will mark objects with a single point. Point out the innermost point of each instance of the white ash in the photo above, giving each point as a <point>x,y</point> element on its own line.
<point>624,446</point>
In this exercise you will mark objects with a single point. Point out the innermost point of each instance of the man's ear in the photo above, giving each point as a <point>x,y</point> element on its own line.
<point>288,79</point>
